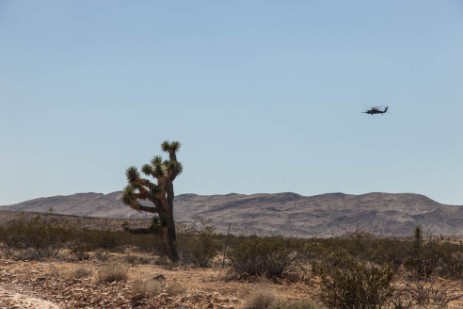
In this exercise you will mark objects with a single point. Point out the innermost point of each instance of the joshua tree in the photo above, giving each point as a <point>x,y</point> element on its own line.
<point>161,195</point>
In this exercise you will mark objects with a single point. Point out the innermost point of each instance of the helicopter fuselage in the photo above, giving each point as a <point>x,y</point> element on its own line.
<point>375,110</point>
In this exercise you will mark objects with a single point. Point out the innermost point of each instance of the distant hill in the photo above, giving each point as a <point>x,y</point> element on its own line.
<point>388,214</point>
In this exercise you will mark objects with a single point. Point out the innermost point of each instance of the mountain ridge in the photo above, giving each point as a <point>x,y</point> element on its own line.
<point>288,213</point>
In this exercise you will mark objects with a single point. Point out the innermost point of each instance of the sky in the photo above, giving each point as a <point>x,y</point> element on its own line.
<point>265,96</point>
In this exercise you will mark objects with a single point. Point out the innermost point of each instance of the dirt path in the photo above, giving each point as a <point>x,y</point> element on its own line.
<point>13,297</point>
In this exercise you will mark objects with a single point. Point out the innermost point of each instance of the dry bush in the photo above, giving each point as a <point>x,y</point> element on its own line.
<point>175,289</point>
<point>44,234</point>
<point>198,246</point>
<point>348,283</point>
<point>151,288</point>
<point>428,292</point>
<point>112,272</point>
<point>101,255</point>
<point>259,300</point>
<point>29,254</point>
<point>148,288</point>
<point>136,259</point>
<point>293,304</point>
<point>79,249</point>
<point>81,272</point>
<point>254,256</point>
<point>453,267</point>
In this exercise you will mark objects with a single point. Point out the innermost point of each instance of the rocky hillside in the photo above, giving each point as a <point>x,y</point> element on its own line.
<point>282,213</point>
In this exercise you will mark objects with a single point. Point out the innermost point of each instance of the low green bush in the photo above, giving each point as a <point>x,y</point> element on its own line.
<point>198,246</point>
<point>254,256</point>
<point>347,283</point>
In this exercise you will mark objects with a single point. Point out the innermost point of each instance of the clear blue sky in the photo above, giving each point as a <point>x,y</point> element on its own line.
<point>265,96</point>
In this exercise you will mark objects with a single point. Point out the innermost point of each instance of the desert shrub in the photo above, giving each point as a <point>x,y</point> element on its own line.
<point>259,300</point>
<point>427,293</point>
<point>112,272</point>
<point>136,259</point>
<point>147,288</point>
<point>348,283</point>
<point>44,234</point>
<point>363,246</point>
<point>293,304</point>
<point>255,256</point>
<point>131,259</point>
<point>452,266</point>
<point>81,272</point>
<point>28,254</point>
<point>101,255</point>
<point>164,262</point>
<point>198,246</point>
<point>175,289</point>
<point>386,251</point>
<point>106,239</point>
<point>154,287</point>
<point>79,249</point>
<point>429,260</point>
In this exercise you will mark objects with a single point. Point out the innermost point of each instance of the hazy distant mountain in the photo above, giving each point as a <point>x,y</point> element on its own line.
<point>280,213</point>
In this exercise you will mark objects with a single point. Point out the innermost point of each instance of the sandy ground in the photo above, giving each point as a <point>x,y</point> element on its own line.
<point>52,284</point>
<point>10,297</point>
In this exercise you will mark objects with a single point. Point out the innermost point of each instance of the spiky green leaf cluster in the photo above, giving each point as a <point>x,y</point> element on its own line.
<point>132,174</point>
<point>163,171</point>
<point>170,147</point>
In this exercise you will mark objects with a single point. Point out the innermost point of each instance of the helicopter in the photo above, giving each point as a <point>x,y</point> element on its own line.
<point>376,110</point>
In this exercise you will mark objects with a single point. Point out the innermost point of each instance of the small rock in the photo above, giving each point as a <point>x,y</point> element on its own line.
<point>159,277</point>
<point>197,297</point>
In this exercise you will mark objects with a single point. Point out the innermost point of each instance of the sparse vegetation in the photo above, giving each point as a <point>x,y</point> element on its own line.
<point>81,272</point>
<point>254,256</point>
<point>357,270</point>
<point>199,245</point>
<point>112,272</point>
<point>147,288</point>
<point>293,304</point>
<point>347,282</point>
<point>265,300</point>
<point>259,300</point>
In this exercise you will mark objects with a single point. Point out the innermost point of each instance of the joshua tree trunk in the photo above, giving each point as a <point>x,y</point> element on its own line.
<point>169,238</point>
<point>161,195</point>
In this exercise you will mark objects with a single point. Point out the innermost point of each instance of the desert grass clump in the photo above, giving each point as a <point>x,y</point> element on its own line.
<point>81,272</point>
<point>101,255</point>
<point>112,272</point>
<point>151,288</point>
<point>147,288</point>
<point>259,300</point>
<point>293,304</point>
<point>175,289</point>
<point>137,259</point>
